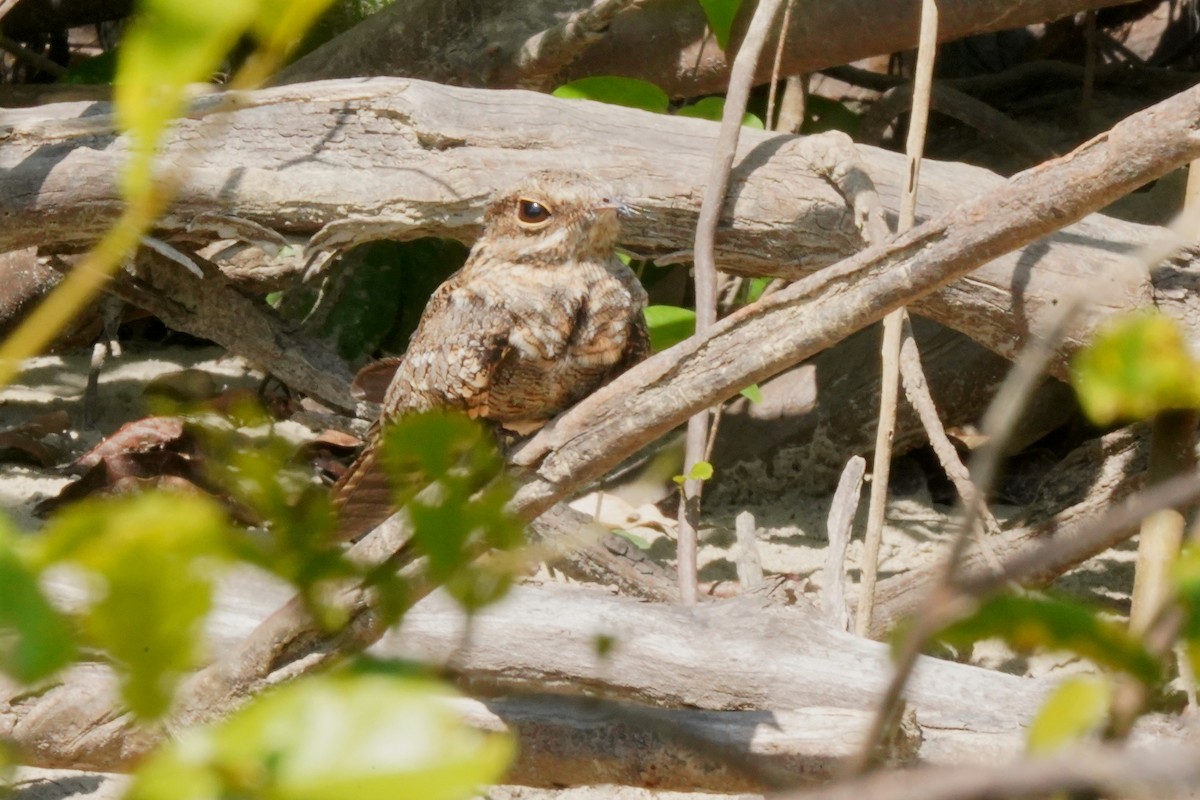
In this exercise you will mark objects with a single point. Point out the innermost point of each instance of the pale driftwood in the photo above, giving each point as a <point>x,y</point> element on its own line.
<point>797,322</point>
<point>392,158</point>
<point>769,680</point>
<point>1106,770</point>
<point>839,526</point>
<point>480,43</point>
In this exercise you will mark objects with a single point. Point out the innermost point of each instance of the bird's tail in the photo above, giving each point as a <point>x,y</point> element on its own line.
<point>362,497</point>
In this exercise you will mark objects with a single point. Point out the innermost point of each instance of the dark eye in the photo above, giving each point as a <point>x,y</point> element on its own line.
<point>532,212</point>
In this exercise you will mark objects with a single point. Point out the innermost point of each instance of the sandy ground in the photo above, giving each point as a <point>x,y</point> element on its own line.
<point>790,536</point>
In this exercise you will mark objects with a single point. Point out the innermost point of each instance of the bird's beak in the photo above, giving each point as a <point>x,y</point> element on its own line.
<point>623,209</point>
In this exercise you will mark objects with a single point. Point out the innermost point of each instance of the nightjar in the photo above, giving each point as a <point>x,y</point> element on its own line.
<point>541,315</point>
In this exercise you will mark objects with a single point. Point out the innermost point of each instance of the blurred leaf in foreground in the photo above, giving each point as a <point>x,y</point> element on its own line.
<point>35,639</point>
<point>150,560</point>
<point>361,736</point>
<point>1035,621</point>
<point>1076,710</point>
<point>1135,367</point>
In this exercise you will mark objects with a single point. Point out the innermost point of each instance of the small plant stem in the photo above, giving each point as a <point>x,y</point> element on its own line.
<point>893,325</point>
<point>1172,443</point>
<point>740,80</point>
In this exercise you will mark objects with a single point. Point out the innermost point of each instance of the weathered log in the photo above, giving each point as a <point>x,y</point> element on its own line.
<point>356,160</point>
<point>752,688</point>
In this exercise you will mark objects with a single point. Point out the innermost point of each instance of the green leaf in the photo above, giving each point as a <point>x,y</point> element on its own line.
<point>1076,710</point>
<point>1036,621</point>
<point>752,393</point>
<point>35,639</point>
<point>151,559</point>
<point>467,514</point>
<point>669,325</point>
<point>1135,367</point>
<point>97,70</point>
<point>700,471</point>
<point>365,736</point>
<point>720,15</point>
<point>822,114</point>
<point>714,108</point>
<point>757,287</point>
<point>616,91</point>
<point>639,542</point>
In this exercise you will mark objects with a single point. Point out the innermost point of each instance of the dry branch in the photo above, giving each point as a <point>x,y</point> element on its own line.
<point>479,42</point>
<point>402,159</point>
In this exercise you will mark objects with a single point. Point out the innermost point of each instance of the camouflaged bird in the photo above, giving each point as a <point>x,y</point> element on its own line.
<point>542,314</point>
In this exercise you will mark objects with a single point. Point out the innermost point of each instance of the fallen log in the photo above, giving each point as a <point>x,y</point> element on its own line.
<point>730,694</point>
<point>354,160</point>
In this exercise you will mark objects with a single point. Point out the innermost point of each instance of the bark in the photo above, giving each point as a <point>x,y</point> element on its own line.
<point>352,161</point>
<point>473,43</point>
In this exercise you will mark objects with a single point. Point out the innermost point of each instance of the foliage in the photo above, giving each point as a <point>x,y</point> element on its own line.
<point>629,92</point>
<point>1077,709</point>
<point>669,325</point>
<point>365,735</point>
<point>1136,366</point>
<point>468,512</point>
<point>636,93</point>
<point>1027,622</point>
<point>720,15</point>
<point>38,640</point>
<point>149,563</point>
<point>713,108</point>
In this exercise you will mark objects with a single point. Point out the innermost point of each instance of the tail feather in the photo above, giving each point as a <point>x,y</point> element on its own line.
<point>362,497</point>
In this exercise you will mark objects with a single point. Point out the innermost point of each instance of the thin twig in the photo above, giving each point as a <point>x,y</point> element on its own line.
<point>741,78</point>
<point>893,323</point>
<point>779,45</point>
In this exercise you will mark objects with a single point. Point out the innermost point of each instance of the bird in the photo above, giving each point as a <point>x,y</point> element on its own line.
<point>542,314</point>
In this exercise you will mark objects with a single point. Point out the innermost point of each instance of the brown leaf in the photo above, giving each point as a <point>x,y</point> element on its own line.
<point>372,381</point>
<point>141,436</point>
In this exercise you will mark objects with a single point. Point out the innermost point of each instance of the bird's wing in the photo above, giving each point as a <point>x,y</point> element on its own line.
<point>460,341</point>
<point>462,338</point>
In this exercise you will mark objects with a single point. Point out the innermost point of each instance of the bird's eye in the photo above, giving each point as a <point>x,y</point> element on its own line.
<point>531,212</point>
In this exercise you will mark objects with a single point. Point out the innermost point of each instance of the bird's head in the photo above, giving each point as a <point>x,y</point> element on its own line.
<point>554,216</point>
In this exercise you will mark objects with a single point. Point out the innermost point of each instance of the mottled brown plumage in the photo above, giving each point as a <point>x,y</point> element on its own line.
<point>540,316</point>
